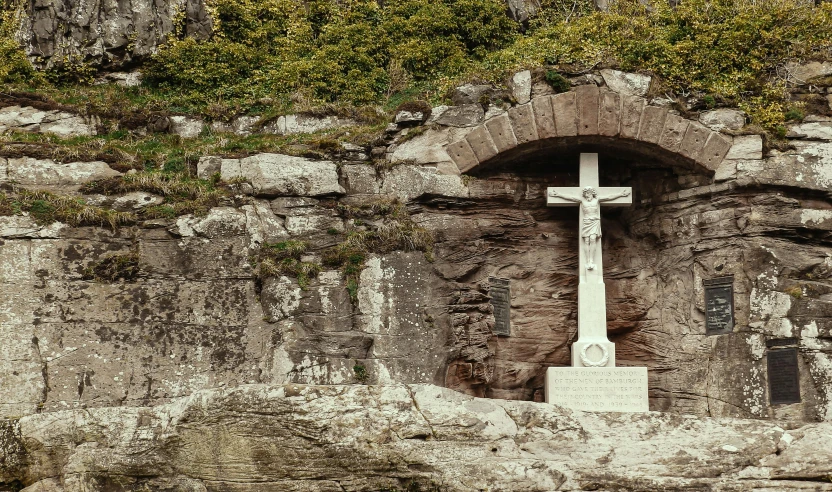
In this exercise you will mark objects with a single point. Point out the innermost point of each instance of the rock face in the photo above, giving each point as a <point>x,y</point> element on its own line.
<point>110,34</point>
<point>60,123</point>
<point>400,437</point>
<point>706,204</point>
<point>48,174</point>
<point>275,174</point>
<point>632,84</point>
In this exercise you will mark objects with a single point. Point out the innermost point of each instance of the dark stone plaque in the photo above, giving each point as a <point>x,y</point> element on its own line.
<point>783,376</point>
<point>719,305</point>
<point>501,300</point>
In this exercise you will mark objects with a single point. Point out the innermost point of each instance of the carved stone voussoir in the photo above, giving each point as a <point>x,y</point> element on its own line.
<point>462,155</point>
<point>544,118</point>
<point>715,150</point>
<point>522,121</point>
<point>501,132</point>
<point>586,98</point>
<point>482,144</point>
<point>565,111</point>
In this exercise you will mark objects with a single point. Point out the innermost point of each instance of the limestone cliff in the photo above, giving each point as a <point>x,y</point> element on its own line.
<point>400,437</point>
<point>195,314</point>
<point>163,351</point>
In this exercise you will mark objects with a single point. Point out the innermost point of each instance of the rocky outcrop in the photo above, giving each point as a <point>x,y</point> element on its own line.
<point>276,174</point>
<point>49,174</point>
<point>400,437</point>
<point>61,123</point>
<point>110,34</point>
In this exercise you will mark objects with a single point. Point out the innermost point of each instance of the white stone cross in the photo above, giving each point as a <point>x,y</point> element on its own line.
<point>593,348</point>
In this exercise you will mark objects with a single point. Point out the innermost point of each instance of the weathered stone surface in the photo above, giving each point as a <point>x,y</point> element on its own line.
<point>463,116</point>
<point>410,182</point>
<point>463,155</point>
<point>652,124</point>
<point>694,141</point>
<point>501,133</point>
<point>803,73</point>
<point>305,123</point>
<point>124,79</point>
<point>723,119</point>
<point>137,200</point>
<point>674,131</point>
<point>46,173</point>
<point>544,118</point>
<point>427,148</point>
<point>242,125</point>
<point>816,130</point>
<point>566,116</point>
<point>276,174</point>
<point>412,117</point>
<point>522,122</point>
<point>493,111</point>
<point>186,127</point>
<point>629,84</point>
<point>207,166</point>
<point>521,86</point>
<point>481,143</point>
<point>110,34</point>
<point>60,123</point>
<point>631,109</point>
<point>746,147</point>
<point>360,179</point>
<point>403,319</point>
<point>609,114</point>
<point>24,227</point>
<point>808,165</point>
<point>523,10</point>
<point>471,94</point>
<point>586,98</point>
<point>403,436</point>
<point>716,148</point>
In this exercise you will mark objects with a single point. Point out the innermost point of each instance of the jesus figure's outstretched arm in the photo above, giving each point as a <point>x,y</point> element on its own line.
<point>607,198</point>
<point>554,193</point>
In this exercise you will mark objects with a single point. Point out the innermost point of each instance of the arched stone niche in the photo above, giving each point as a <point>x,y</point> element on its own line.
<point>591,115</point>
<point>683,227</point>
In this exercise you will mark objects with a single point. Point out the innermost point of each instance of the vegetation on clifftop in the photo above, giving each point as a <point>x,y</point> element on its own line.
<point>267,57</point>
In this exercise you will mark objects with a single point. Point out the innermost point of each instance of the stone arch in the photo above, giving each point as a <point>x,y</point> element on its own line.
<point>591,115</point>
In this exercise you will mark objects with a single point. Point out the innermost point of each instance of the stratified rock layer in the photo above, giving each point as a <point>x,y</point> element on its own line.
<point>400,437</point>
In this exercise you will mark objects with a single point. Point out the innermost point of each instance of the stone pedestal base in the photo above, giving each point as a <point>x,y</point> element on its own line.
<point>598,389</point>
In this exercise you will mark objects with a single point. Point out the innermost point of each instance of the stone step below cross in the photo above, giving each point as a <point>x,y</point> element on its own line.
<point>593,348</point>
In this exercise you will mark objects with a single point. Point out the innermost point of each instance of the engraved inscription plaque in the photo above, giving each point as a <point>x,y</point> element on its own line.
<point>598,389</point>
<point>500,294</point>
<point>719,305</point>
<point>783,376</point>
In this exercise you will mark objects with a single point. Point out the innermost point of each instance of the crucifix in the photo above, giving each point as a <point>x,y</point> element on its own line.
<point>593,348</point>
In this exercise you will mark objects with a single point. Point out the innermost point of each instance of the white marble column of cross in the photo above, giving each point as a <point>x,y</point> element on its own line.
<point>593,348</point>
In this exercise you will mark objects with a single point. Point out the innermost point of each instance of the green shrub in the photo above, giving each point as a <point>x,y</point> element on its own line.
<point>726,47</point>
<point>328,50</point>
<point>558,82</point>
<point>794,114</point>
<point>14,67</point>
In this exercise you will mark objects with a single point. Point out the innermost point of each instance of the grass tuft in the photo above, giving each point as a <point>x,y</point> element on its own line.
<point>45,208</point>
<point>113,268</point>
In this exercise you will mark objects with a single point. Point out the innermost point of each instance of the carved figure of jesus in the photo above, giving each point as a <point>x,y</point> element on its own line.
<point>591,227</point>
